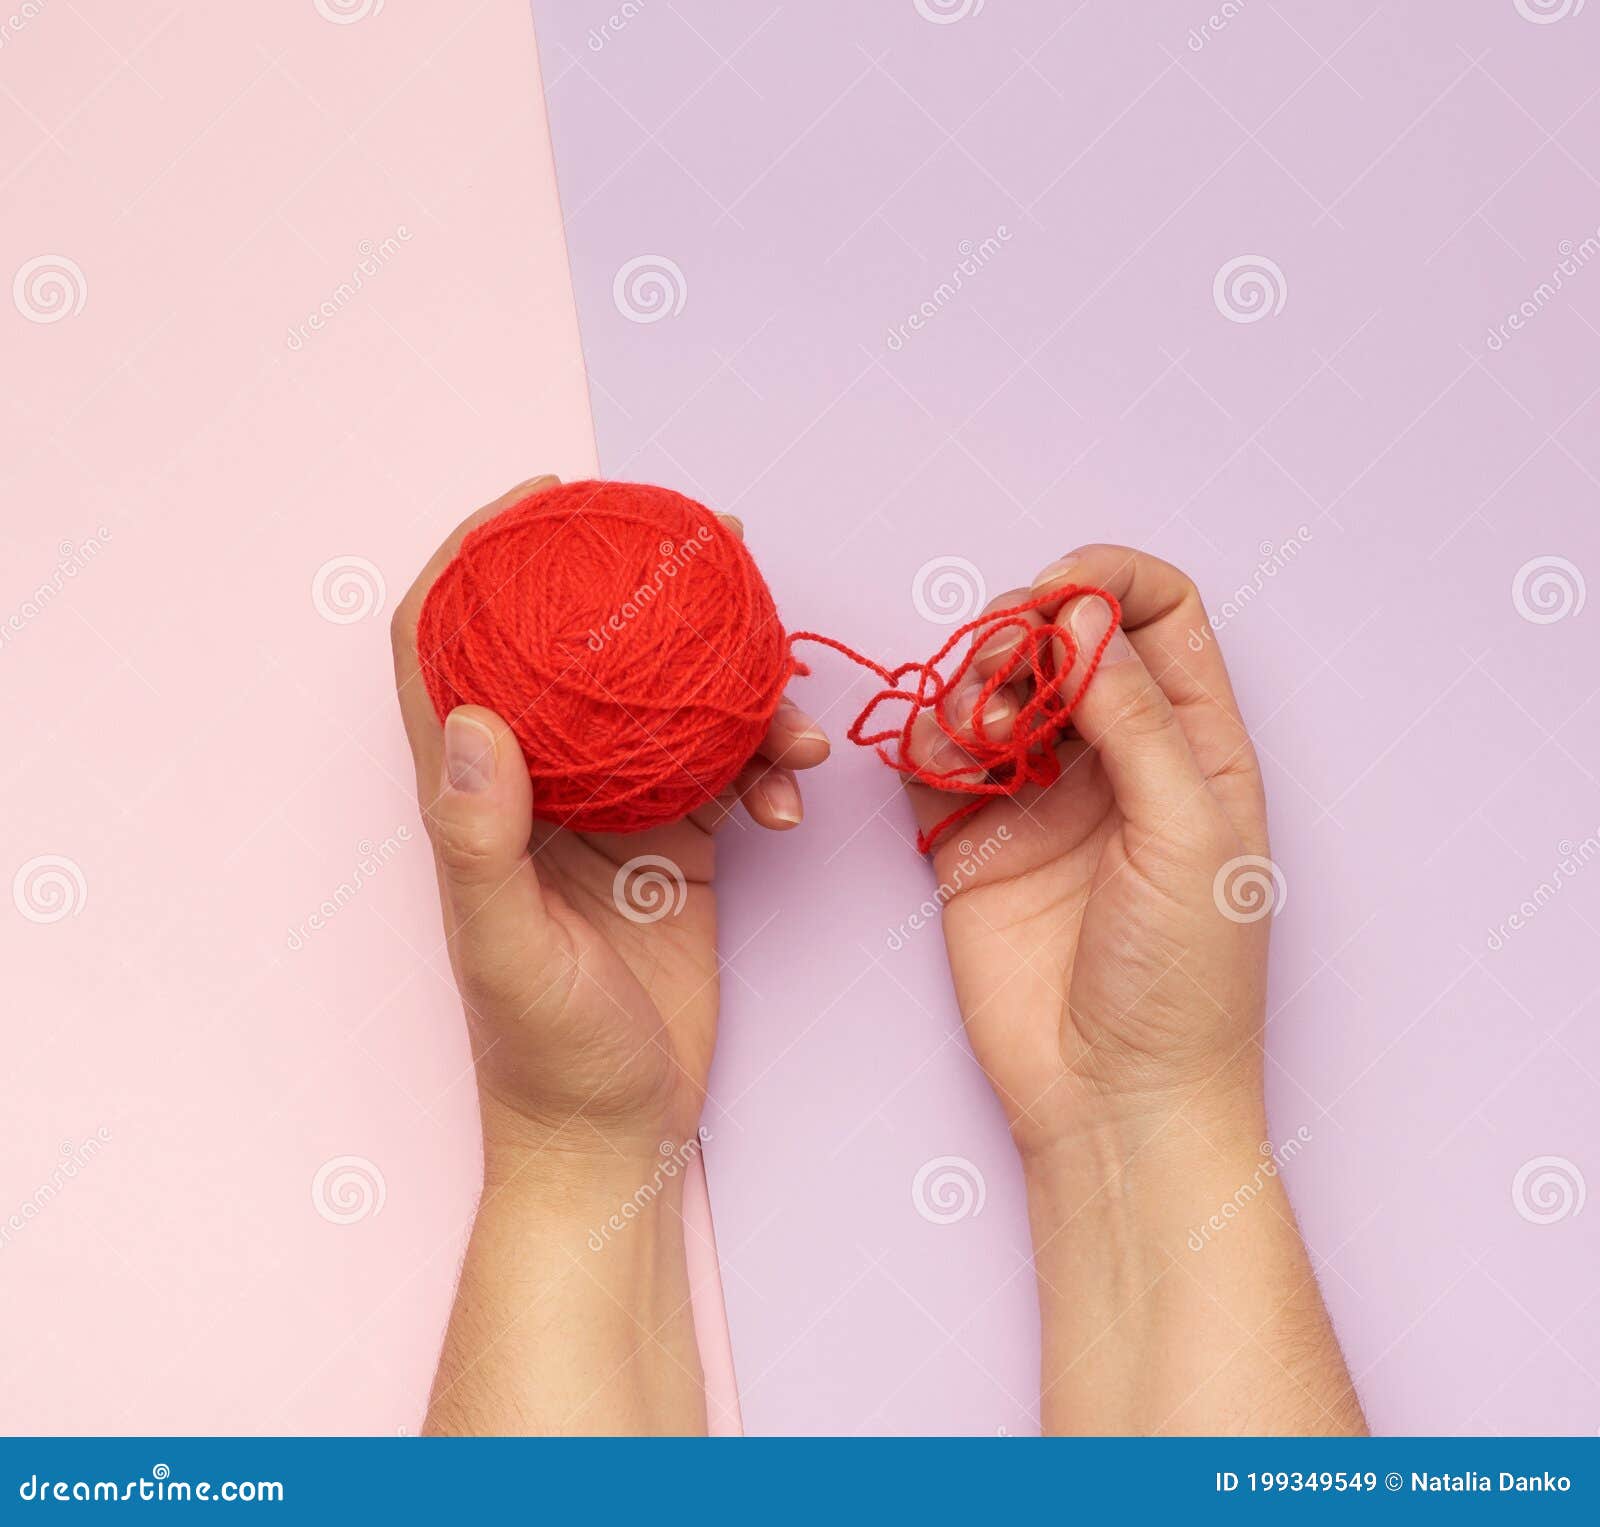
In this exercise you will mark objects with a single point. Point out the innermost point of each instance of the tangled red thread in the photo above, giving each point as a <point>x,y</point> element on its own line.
<point>630,642</point>
<point>1027,756</point>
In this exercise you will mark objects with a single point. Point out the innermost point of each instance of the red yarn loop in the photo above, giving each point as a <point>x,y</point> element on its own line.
<point>1028,755</point>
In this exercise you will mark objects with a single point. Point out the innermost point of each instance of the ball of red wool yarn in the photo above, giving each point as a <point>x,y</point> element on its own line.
<point>627,638</point>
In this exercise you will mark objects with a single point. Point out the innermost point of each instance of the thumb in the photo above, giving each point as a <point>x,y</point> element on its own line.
<point>481,820</point>
<point>1129,722</point>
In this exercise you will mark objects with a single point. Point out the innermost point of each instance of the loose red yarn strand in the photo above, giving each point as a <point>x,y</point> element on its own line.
<point>1028,755</point>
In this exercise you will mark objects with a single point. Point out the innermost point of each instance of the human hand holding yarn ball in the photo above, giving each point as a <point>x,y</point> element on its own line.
<point>586,958</point>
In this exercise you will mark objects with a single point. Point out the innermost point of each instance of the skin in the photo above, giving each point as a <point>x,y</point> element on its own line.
<point>592,1035</point>
<point>1117,1013</point>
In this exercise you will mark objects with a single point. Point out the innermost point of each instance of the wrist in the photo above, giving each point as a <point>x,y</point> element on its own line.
<point>1173,1132</point>
<point>1159,1181</point>
<point>579,1157</point>
<point>582,1191</point>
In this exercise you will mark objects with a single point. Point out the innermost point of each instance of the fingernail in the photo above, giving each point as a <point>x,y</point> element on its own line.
<point>782,795</point>
<point>998,648</point>
<point>468,754</point>
<point>997,711</point>
<point>1057,571</point>
<point>798,722</point>
<point>1090,620</point>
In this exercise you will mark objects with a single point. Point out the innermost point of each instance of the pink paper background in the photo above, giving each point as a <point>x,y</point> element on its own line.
<point>814,173</point>
<point>215,757</point>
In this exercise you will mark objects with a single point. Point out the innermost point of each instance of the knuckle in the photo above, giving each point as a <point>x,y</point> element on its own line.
<point>1185,586</point>
<point>467,850</point>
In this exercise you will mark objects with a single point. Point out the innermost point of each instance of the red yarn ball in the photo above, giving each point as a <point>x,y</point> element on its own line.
<point>627,638</point>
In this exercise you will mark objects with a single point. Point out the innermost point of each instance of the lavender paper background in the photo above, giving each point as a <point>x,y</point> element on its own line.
<point>1419,671</point>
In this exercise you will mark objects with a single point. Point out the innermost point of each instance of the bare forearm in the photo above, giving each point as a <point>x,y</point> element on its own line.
<point>1175,1291</point>
<point>564,1323</point>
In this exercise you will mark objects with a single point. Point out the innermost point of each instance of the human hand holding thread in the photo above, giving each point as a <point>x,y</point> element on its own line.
<point>1116,1007</point>
<point>1094,969</point>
